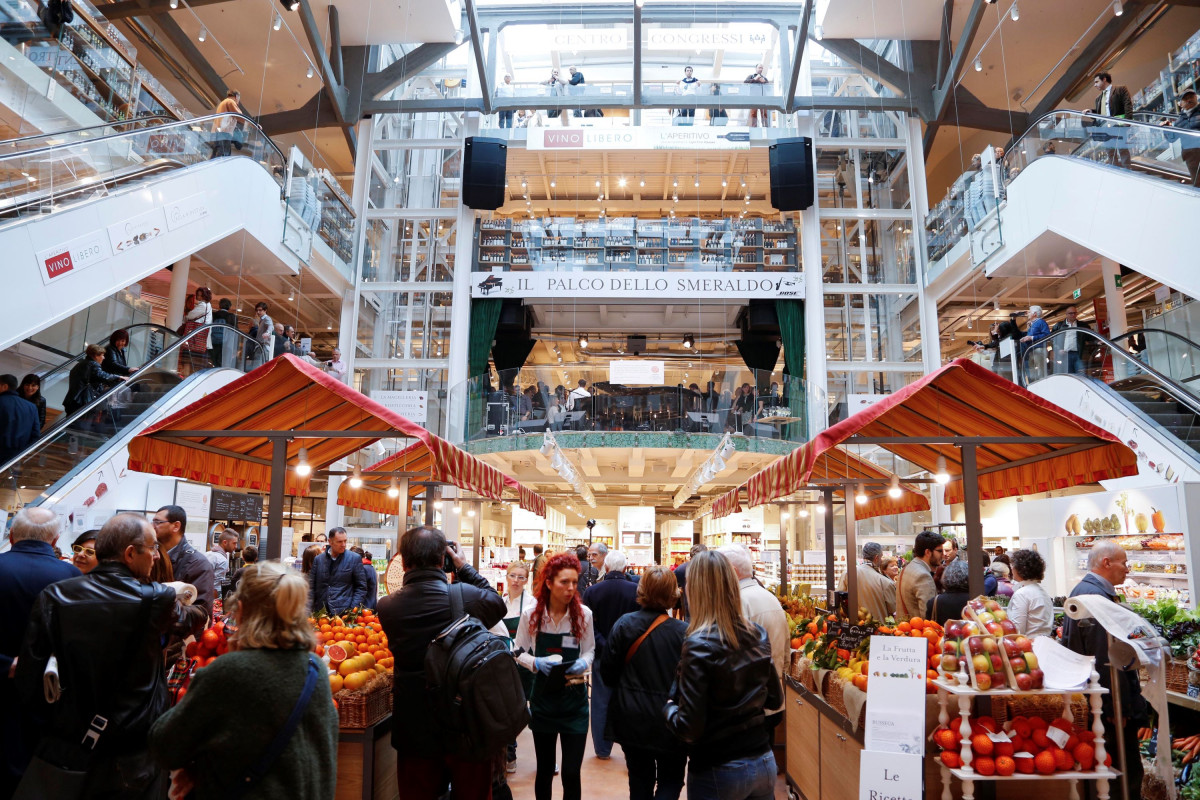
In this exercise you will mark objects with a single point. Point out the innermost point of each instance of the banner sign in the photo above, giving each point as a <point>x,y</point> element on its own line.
<point>413,406</point>
<point>637,138</point>
<point>656,286</point>
<point>896,695</point>
<point>136,231</point>
<point>77,254</point>
<point>705,38</point>
<point>635,372</point>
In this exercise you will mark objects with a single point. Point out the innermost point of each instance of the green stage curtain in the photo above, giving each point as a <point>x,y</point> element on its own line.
<point>791,331</point>
<point>485,316</point>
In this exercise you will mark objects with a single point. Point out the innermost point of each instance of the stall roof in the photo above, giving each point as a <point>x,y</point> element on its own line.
<point>227,438</point>
<point>1023,443</point>
<point>416,460</point>
<point>835,466</point>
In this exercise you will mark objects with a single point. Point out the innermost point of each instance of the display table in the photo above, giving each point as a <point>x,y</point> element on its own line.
<point>366,763</point>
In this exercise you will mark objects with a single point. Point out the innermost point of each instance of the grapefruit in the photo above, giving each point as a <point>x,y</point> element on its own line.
<point>337,653</point>
<point>356,680</point>
<point>335,683</point>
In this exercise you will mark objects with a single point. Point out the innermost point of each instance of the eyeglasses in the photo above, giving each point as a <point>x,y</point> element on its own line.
<point>154,548</point>
<point>78,549</point>
<point>159,521</point>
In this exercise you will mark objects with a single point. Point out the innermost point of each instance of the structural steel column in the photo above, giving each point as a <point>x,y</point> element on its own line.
<point>177,294</point>
<point>970,482</point>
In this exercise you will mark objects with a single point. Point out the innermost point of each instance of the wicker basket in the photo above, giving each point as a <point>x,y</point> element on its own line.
<point>1177,676</point>
<point>1048,707</point>
<point>363,708</point>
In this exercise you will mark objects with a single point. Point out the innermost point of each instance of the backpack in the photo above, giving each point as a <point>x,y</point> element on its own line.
<point>474,686</point>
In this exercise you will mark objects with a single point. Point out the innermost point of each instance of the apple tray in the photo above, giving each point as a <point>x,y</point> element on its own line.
<point>970,690</point>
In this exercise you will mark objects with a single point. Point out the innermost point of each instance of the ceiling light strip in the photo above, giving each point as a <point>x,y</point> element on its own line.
<point>706,472</point>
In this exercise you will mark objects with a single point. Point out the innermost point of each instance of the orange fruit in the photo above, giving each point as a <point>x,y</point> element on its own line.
<point>945,739</point>
<point>904,627</point>
<point>1063,760</point>
<point>951,759</point>
<point>335,683</point>
<point>319,650</point>
<point>1040,740</point>
<point>917,624</point>
<point>1038,724</point>
<point>1005,766</point>
<point>210,639</point>
<point>1022,727</point>
<point>1004,749</point>
<point>356,680</point>
<point>984,765</point>
<point>982,745</point>
<point>1085,754</point>
<point>326,628</point>
<point>1045,763</point>
<point>988,724</point>
<point>860,682</point>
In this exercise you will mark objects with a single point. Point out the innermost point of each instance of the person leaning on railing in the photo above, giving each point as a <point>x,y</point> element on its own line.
<point>1189,119</point>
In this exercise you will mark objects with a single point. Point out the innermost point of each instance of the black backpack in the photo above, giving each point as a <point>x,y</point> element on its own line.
<point>474,685</point>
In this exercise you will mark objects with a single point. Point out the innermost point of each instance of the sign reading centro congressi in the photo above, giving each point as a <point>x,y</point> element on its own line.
<point>637,138</point>
<point>626,285</point>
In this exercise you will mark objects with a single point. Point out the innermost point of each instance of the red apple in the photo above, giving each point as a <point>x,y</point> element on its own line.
<point>1010,648</point>
<point>950,663</point>
<point>984,681</point>
<point>1037,675</point>
<point>1018,665</point>
<point>951,647</point>
<point>985,617</point>
<point>989,645</point>
<point>1024,681</point>
<point>976,603</point>
<point>1025,643</point>
<point>1008,626</point>
<point>975,643</point>
<point>953,629</point>
<point>994,628</point>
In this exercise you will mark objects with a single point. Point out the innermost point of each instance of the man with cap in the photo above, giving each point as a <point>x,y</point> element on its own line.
<point>876,591</point>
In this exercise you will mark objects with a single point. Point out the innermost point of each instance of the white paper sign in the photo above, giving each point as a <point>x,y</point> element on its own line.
<point>636,372</point>
<point>413,406</point>
<point>896,695</point>
<point>195,499</point>
<point>889,776</point>
<point>1061,668</point>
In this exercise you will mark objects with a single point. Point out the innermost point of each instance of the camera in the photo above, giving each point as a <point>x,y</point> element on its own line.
<point>591,523</point>
<point>977,344</point>
<point>448,562</point>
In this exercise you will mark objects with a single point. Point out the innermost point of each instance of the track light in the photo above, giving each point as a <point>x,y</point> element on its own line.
<point>1118,8</point>
<point>174,4</point>
<point>696,183</point>
<point>894,490</point>
<point>553,184</point>
<point>303,468</point>
<point>356,480</point>
<point>689,341</point>
<point>860,496</point>
<point>293,5</point>
<point>203,34</point>
<point>393,489</point>
<point>309,74</point>
<point>277,23</point>
<point>597,184</point>
<point>642,183</point>
<point>583,341</point>
<point>724,183</point>
<point>1014,12</point>
<point>941,475</point>
<point>978,65</point>
<point>675,183</point>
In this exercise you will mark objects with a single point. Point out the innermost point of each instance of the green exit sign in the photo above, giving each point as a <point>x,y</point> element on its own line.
<point>1075,294</point>
<point>1117,280</point>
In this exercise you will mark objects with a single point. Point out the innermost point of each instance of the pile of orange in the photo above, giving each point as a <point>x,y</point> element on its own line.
<point>356,646</point>
<point>1032,747</point>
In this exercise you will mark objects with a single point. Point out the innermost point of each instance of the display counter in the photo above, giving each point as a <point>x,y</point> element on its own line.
<point>366,763</point>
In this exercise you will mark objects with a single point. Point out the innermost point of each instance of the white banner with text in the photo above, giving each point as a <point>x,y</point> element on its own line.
<point>626,285</point>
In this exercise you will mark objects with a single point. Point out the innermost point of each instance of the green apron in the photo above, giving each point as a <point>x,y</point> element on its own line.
<point>511,624</point>
<point>560,712</point>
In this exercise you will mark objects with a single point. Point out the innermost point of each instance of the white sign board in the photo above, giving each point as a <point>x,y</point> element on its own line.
<point>635,372</point>
<point>813,557</point>
<point>889,776</point>
<point>192,208</point>
<point>896,695</point>
<point>705,38</point>
<point>77,254</point>
<point>195,499</point>
<point>136,231</point>
<point>638,519</point>
<point>622,286</point>
<point>638,138</point>
<point>413,406</point>
<point>857,402</point>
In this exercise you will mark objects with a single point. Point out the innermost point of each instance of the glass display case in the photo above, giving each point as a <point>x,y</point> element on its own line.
<point>336,227</point>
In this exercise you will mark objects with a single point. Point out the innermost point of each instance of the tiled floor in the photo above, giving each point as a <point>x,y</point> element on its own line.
<point>600,778</point>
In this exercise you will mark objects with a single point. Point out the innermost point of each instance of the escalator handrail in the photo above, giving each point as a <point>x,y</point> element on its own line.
<point>1131,333</point>
<point>71,362</point>
<point>63,424</point>
<point>1180,393</point>
<point>188,123</point>
<point>68,131</point>
<point>1100,122</point>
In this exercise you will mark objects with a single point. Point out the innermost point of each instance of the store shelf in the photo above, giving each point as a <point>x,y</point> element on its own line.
<point>1006,692</point>
<point>1182,700</point>
<point>1095,774</point>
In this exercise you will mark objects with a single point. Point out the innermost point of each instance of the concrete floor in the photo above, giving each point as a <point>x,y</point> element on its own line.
<point>605,779</point>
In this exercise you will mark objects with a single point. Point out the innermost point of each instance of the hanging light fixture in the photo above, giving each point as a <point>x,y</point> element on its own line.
<point>689,341</point>
<point>470,512</point>
<point>941,475</point>
<point>356,480</point>
<point>894,489</point>
<point>276,23</point>
<point>819,32</point>
<point>583,340</point>
<point>303,469</point>
<point>1014,12</point>
<point>174,4</point>
<point>393,489</point>
<point>785,516</point>
<point>203,34</point>
<point>293,5</point>
<point>309,74</point>
<point>455,508</point>
<point>978,65</point>
<point>1118,8</point>
<point>804,511</point>
<point>820,508</point>
<point>437,505</point>
<point>860,496</point>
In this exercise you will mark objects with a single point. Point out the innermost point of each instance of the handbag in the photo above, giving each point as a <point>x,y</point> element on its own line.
<point>633,648</point>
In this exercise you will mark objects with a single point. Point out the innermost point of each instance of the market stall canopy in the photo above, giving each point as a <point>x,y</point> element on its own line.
<point>1023,443</point>
<point>418,460</point>
<point>836,465</point>
<point>227,438</point>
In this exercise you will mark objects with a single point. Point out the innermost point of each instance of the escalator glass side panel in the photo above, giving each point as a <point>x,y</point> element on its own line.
<point>77,135</point>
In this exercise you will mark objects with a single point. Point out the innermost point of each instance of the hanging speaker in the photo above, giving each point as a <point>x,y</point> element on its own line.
<point>485,162</point>
<point>791,163</point>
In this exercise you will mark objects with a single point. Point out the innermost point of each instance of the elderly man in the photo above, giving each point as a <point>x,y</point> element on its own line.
<point>915,587</point>
<point>25,570</point>
<point>762,607</point>
<point>876,592</point>
<point>1107,568</point>
<point>614,596</point>
<point>595,556</point>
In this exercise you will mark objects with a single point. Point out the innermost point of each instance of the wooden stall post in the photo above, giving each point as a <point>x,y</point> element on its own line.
<point>275,511</point>
<point>830,583</point>
<point>851,554</point>
<point>970,482</point>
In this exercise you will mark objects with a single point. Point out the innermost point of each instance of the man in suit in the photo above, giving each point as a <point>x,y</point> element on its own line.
<point>1107,568</point>
<point>1069,348</point>
<point>1189,119</point>
<point>1113,101</point>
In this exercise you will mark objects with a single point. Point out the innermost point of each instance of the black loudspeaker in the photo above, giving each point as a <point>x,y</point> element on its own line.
<point>484,164</point>
<point>792,186</point>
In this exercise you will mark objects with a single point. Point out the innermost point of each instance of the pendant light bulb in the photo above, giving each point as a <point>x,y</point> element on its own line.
<point>1014,12</point>
<point>437,505</point>
<point>941,475</point>
<point>978,65</point>
<point>470,512</point>
<point>393,489</point>
<point>860,496</point>
<point>174,4</point>
<point>309,74</point>
<point>894,489</point>
<point>804,512</point>
<point>456,509</point>
<point>203,34</point>
<point>277,23</point>
<point>356,480</point>
<point>1118,8</point>
<point>820,508</point>
<point>303,468</point>
<point>583,341</point>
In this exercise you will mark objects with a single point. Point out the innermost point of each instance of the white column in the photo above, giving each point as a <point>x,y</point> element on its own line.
<point>460,313</point>
<point>177,294</point>
<point>931,349</point>
<point>1114,296</point>
<point>335,515</point>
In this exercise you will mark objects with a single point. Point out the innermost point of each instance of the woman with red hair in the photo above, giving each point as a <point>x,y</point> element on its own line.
<point>559,641</point>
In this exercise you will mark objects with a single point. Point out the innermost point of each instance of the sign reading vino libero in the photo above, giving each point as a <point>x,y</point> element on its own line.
<point>610,286</point>
<point>77,254</point>
<point>639,138</point>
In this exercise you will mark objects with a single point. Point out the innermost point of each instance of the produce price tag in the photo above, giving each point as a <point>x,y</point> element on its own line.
<point>890,776</point>
<point>849,638</point>
<point>1001,737</point>
<point>1058,736</point>
<point>895,720</point>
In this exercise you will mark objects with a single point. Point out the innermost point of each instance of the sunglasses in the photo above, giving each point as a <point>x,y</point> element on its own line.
<point>78,549</point>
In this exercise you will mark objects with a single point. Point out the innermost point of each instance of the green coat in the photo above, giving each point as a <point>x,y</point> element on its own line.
<point>229,716</point>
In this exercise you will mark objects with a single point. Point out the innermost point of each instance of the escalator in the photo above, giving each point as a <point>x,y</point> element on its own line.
<point>89,215</point>
<point>1073,188</point>
<point>1143,387</point>
<point>81,445</point>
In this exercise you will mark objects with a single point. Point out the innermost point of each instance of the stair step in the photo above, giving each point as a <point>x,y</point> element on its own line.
<point>1173,421</point>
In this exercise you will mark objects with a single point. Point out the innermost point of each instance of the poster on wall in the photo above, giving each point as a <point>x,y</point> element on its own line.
<point>412,405</point>
<point>636,372</point>
<point>196,500</point>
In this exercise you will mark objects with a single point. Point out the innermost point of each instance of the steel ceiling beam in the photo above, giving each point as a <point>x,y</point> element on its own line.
<point>412,64</point>
<point>481,65</point>
<point>943,47</point>
<point>134,8</point>
<point>334,92</point>
<point>943,92</point>
<point>870,62</point>
<point>801,40</point>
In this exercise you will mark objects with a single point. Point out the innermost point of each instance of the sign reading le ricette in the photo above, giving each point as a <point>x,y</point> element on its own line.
<point>714,285</point>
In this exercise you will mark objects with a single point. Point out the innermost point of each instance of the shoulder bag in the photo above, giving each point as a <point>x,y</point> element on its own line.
<point>633,648</point>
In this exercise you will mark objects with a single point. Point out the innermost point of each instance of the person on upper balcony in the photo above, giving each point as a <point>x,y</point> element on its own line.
<point>758,113</point>
<point>226,128</point>
<point>1189,119</point>
<point>687,86</point>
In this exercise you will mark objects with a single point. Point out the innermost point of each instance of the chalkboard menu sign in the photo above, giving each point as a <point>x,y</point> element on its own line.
<point>236,507</point>
<point>851,636</point>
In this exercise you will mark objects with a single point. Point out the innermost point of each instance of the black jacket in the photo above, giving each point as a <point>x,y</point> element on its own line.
<point>949,605</point>
<point>19,426</point>
<point>411,618</point>
<point>87,381</point>
<point>639,689</point>
<point>116,361</point>
<point>337,584</point>
<point>191,566</point>
<point>588,576</point>
<point>716,703</point>
<point>1088,638</point>
<point>610,599</point>
<point>1120,103</point>
<point>108,643</point>
<point>1188,121</point>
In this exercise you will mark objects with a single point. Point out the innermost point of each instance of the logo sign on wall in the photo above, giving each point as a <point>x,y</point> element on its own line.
<point>640,138</point>
<point>701,38</point>
<point>413,406</point>
<point>188,210</point>
<point>77,254</point>
<point>635,372</point>
<point>136,231</point>
<point>598,285</point>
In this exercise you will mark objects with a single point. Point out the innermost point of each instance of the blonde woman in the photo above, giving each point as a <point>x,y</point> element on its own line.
<point>236,709</point>
<point>726,679</point>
